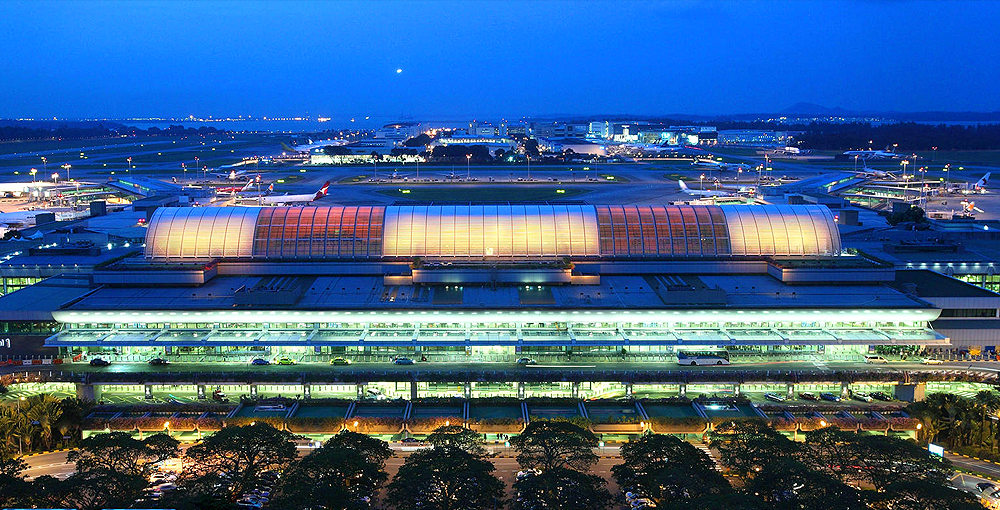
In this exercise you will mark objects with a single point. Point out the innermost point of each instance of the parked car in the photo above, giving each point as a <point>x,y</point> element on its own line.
<point>410,440</point>
<point>526,361</point>
<point>774,397</point>
<point>875,359</point>
<point>158,362</point>
<point>931,361</point>
<point>985,486</point>
<point>340,361</point>
<point>829,396</point>
<point>285,360</point>
<point>864,397</point>
<point>260,361</point>
<point>98,362</point>
<point>403,361</point>
<point>808,395</point>
<point>881,395</point>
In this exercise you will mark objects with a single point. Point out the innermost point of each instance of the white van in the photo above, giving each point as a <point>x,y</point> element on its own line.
<point>871,358</point>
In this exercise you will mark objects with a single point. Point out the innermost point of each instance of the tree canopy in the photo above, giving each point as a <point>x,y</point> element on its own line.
<point>549,445</point>
<point>445,478</point>
<point>241,454</point>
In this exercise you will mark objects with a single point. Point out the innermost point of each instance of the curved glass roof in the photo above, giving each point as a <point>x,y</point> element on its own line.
<point>491,232</point>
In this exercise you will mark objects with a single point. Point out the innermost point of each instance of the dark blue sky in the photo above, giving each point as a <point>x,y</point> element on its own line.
<point>480,58</point>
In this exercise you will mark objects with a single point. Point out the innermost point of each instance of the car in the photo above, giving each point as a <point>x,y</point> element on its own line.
<point>774,397</point>
<point>285,360</point>
<point>98,362</point>
<point>875,359</point>
<point>931,361</point>
<point>340,361</point>
<point>260,361</point>
<point>985,486</point>
<point>808,395</point>
<point>881,395</point>
<point>410,440</point>
<point>158,362</point>
<point>864,397</point>
<point>642,503</point>
<point>528,473</point>
<point>526,361</point>
<point>403,361</point>
<point>829,396</point>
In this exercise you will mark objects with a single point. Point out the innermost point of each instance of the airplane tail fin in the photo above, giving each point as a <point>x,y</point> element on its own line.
<point>322,191</point>
<point>286,147</point>
<point>270,189</point>
<point>981,183</point>
<point>684,187</point>
<point>247,185</point>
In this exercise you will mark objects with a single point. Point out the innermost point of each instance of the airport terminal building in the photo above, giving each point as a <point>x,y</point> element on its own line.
<point>496,282</point>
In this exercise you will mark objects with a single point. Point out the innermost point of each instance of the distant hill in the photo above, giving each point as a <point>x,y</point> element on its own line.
<point>804,108</point>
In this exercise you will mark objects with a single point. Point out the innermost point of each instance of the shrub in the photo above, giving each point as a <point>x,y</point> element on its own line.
<point>315,424</point>
<point>685,424</point>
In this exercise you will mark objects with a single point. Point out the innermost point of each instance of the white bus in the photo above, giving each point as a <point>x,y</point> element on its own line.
<point>703,357</point>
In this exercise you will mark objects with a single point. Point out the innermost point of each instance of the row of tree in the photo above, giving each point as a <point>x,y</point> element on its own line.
<point>39,422</point>
<point>960,422</point>
<point>83,130</point>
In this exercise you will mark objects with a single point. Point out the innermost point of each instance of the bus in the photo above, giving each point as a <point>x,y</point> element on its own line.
<point>703,357</point>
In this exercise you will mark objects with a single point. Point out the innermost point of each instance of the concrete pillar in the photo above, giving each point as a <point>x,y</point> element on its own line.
<point>910,392</point>
<point>361,390</point>
<point>790,390</point>
<point>520,390</point>
<point>628,390</point>
<point>148,390</point>
<point>201,392</point>
<point>88,392</point>
<point>307,391</point>
<point>413,390</point>
<point>683,388</point>
<point>467,390</point>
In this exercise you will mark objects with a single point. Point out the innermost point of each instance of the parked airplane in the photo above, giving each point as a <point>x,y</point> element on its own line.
<point>871,172</point>
<point>702,192</point>
<point>295,199</point>
<point>235,189</point>
<point>19,219</point>
<point>873,154</point>
<point>720,165</point>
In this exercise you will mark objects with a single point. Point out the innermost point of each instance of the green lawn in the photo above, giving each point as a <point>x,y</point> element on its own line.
<point>483,193</point>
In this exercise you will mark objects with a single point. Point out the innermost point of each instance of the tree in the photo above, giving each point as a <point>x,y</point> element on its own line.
<point>445,478</point>
<point>549,445</point>
<point>834,452</point>
<point>241,454</point>
<point>561,488</point>
<point>119,452</point>
<point>344,474</point>
<point>747,445</point>
<point>100,488</point>
<point>890,460</point>
<point>786,483</point>
<point>669,471</point>
<point>986,402</point>
<point>921,495</point>
<point>43,411</point>
<point>913,214</point>
<point>531,147</point>
<point>420,140</point>
<point>459,437</point>
<point>14,489</point>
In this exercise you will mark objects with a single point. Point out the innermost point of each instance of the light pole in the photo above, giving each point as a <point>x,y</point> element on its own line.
<point>55,177</point>
<point>375,162</point>
<point>33,172</point>
<point>855,162</point>
<point>947,177</point>
<point>45,168</point>
<point>20,449</point>
<point>529,166</point>
<point>468,160</point>
<point>701,181</point>
<point>67,166</point>
<point>128,168</point>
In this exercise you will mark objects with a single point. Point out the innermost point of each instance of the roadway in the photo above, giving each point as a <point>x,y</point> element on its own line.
<point>576,365</point>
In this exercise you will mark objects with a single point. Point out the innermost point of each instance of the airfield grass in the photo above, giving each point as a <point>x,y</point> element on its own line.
<point>483,194</point>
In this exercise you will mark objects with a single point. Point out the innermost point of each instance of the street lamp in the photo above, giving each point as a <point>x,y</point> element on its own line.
<point>468,159</point>
<point>67,166</point>
<point>55,177</point>
<point>128,168</point>
<point>33,172</point>
<point>44,167</point>
<point>701,181</point>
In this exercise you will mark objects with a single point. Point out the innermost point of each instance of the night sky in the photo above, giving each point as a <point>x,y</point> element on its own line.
<point>487,59</point>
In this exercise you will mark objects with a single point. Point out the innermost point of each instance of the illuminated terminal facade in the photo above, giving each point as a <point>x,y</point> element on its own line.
<point>489,282</point>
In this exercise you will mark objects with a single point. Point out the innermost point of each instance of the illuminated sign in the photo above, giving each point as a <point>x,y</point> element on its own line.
<point>935,449</point>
